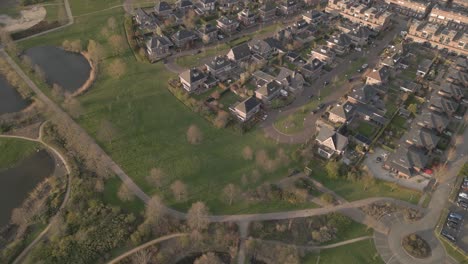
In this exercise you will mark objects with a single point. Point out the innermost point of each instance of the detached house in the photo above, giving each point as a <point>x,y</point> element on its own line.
<point>267,12</point>
<point>341,113</point>
<point>409,86</point>
<point>323,53</point>
<point>330,142</point>
<point>461,64</point>
<point>288,7</point>
<point>208,33</point>
<point>206,6</point>
<point>220,67</point>
<point>246,17</point>
<point>313,16</point>
<point>340,43</point>
<point>312,69</point>
<point>378,76</point>
<point>422,138</point>
<point>184,5</point>
<point>192,79</point>
<point>246,109</point>
<point>239,53</point>
<point>360,36</point>
<point>227,25</point>
<point>183,38</point>
<point>432,120</point>
<point>158,47</point>
<point>450,90</point>
<point>457,77</point>
<point>144,20</point>
<point>268,91</point>
<point>163,9</point>
<point>291,80</point>
<point>406,161</point>
<point>442,105</point>
<point>261,47</point>
<point>424,67</point>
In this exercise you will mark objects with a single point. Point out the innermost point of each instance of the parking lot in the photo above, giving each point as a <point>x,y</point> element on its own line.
<point>460,231</point>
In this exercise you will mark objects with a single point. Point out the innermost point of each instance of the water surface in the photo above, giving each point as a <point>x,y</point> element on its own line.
<point>10,100</point>
<point>17,182</point>
<point>67,69</point>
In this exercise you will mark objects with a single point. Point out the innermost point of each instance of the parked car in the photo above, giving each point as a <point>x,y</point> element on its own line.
<point>452,224</point>
<point>458,117</point>
<point>320,106</point>
<point>325,83</point>
<point>448,236</point>
<point>463,195</point>
<point>457,217</point>
<point>264,117</point>
<point>463,204</point>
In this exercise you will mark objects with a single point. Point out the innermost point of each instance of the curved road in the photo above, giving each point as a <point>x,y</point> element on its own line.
<point>67,192</point>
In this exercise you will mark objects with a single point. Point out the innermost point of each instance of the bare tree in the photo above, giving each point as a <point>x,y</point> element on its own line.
<point>230,192</point>
<point>106,131</point>
<point>194,135</point>
<point>247,153</point>
<point>58,92</point>
<point>75,46</point>
<point>221,119</point>
<point>156,177</point>
<point>99,187</point>
<point>118,44</point>
<point>73,106</point>
<point>142,257</point>
<point>95,51</point>
<point>198,216</point>
<point>125,194</point>
<point>117,68</point>
<point>7,41</point>
<point>440,173</point>
<point>112,23</point>
<point>208,258</point>
<point>179,189</point>
<point>154,210</point>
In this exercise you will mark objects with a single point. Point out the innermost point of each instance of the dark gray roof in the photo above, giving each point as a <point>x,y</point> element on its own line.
<point>207,28</point>
<point>269,88</point>
<point>288,3</point>
<point>451,89</point>
<point>162,6</point>
<point>364,93</point>
<point>241,51</point>
<point>443,104</point>
<point>432,120</point>
<point>313,65</point>
<point>461,62</point>
<point>248,104</point>
<point>207,1</point>
<point>343,110</point>
<point>340,39</point>
<point>192,75</point>
<point>274,43</point>
<point>312,14</point>
<point>425,65</point>
<point>374,113</point>
<point>219,62</point>
<point>409,85</point>
<point>404,159</point>
<point>361,32</point>
<point>183,34</point>
<point>227,21</point>
<point>339,141</point>
<point>380,74</point>
<point>421,136</point>
<point>158,41</point>
<point>259,46</point>
<point>185,3</point>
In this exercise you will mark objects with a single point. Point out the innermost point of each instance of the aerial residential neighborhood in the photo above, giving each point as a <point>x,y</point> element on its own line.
<point>234,131</point>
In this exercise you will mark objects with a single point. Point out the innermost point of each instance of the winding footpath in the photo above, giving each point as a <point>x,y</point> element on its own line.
<point>62,159</point>
<point>393,233</point>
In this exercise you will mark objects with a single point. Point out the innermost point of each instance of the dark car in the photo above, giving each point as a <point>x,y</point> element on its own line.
<point>320,106</point>
<point>452,224</point>
<point>325,83</point>
<point>463,204</point>
<point>448,236</point>
<point>294,172</point>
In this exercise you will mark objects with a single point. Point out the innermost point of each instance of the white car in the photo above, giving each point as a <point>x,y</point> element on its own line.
<point>463,195</point>
<point>458,117</point>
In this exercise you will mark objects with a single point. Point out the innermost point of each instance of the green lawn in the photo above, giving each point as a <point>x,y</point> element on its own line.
<point>14,150</point>
<point>366,129</point>
<point>151,125</point>
<point>294,122</point>
<point>110,196</point>
<point>353,191</point>
<point>190,61</point>
<point>362,252</point>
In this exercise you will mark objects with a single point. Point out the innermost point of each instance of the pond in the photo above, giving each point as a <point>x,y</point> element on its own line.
<point>17,182</point>
<point>10,100</point>
<point>68,69</point>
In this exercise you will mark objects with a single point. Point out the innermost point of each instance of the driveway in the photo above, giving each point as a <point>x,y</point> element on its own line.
<point>418,182</point>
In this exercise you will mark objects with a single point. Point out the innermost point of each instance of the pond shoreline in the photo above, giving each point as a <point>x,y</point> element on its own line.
<point>92,76</point>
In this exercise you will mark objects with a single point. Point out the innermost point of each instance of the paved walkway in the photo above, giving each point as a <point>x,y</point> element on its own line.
<point>144,246</point>
<point>60,159</point>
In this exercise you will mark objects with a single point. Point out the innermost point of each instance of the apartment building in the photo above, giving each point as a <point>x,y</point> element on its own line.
<point>455,17</point>
<point>359,13</point>
<point>439,36</point>
<point>412,8</point>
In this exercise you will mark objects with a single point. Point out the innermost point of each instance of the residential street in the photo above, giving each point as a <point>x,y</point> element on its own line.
<point>372,56</point>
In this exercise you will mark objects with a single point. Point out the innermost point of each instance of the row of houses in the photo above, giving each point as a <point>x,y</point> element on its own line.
<point>455,14</point>
<point>359,13</point>
<point>414,152</point>
<point>438,36</point>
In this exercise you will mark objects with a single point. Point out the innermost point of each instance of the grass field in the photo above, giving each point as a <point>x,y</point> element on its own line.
<point>15,150</point>
<point>151,124</point>
<point>362,252</point>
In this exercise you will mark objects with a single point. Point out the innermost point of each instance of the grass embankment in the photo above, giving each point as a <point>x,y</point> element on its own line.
<point>294,123</point>
<point>353,191</point>
<point>15,150</point>
<point>151,125</point>
<point>362,252</point>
